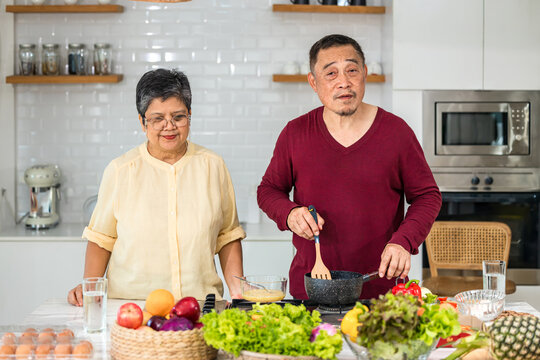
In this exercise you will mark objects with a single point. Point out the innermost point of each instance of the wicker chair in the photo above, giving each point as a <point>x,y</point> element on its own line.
<point>463,245</point>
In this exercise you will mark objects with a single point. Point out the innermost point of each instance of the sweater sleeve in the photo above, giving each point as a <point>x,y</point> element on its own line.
<point>277,182</point>
<point>421,192</point>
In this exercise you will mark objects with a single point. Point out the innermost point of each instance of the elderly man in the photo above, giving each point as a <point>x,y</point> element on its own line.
<point>354,162</point>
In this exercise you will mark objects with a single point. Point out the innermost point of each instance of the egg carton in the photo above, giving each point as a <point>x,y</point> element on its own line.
<point>17,343</point>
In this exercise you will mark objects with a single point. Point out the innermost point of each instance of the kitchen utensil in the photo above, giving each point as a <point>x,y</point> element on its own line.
<point>486,305</point>
<point>319,271</point>
<point>44,183</point>
<point>263,288</point>
<point>344,288</point>
<point>250,283</point>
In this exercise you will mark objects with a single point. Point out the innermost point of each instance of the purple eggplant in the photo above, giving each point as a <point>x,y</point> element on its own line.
<point>176,324</point>
<point>156,322</point>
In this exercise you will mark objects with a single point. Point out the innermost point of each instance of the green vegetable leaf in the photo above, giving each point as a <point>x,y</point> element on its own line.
<point>270,329</point>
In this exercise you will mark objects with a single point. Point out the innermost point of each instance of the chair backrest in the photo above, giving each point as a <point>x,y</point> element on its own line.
<point>464,245</point>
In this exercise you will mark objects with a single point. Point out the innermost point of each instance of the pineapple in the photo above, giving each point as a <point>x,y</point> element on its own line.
<point>509,338</point>
<point>516,337</point>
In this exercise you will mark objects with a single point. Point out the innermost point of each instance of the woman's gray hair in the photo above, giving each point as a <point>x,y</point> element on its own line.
<point>162,84</point>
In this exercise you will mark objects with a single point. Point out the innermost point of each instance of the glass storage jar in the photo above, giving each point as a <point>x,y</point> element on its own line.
<point>102,59</point>
<point>50,59</point>
<point>27,59</point>
<point>77,55</point>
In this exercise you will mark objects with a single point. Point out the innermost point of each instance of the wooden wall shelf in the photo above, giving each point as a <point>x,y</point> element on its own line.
<point>64,8</point>
<point>329,9</point>
<point>64,79</point>
<point>303,77</point>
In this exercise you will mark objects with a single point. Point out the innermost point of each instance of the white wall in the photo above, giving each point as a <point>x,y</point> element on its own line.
<point>7,111</point>
<point>229,50</point>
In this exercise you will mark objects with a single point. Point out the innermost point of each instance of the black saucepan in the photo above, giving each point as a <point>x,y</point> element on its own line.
<point>344,288</point>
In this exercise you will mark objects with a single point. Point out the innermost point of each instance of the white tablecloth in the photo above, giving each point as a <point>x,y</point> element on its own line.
<point>57,313</point>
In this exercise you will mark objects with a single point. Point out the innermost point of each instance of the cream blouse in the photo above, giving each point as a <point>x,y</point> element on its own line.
<point>164,223</point>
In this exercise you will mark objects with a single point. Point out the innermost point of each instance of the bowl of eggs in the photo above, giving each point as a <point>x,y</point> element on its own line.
<point>263,288</point>
<point>47,343</point>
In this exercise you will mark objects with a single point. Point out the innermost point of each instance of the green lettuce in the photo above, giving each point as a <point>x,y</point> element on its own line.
<point>399,325</point>
<point>270,329</point>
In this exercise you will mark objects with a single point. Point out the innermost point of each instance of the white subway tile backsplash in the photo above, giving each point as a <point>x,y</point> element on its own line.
<point>228,48</point>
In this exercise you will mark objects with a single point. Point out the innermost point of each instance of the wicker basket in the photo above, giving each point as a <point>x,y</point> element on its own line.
<point>129,344</point>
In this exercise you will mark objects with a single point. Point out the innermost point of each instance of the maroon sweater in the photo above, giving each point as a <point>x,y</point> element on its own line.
<point>358,190</point>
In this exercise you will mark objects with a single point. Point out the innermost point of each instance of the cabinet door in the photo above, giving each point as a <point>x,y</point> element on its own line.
<point>34,271</point>
<point>438,44</point>
<point>511,40</point>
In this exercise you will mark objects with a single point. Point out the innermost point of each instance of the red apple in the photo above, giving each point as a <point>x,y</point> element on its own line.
<point>129,315</point>
<point>187,307</point>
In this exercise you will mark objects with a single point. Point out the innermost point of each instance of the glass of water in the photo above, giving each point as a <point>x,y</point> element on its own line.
<point>95,304</point>
<point>494,273</point>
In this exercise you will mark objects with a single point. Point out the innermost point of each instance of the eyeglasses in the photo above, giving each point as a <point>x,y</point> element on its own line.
<point>160,122</point>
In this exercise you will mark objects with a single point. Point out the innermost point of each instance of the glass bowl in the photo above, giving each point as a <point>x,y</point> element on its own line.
<point>485,305</point>
<point>263,288</point>
<point>418,350</point>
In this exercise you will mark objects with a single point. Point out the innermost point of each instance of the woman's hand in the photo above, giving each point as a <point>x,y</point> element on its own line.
<point>75,296</point>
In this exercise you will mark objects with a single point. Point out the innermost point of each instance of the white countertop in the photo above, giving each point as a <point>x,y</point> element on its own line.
<point>73,232</point>
<point>57,313</point>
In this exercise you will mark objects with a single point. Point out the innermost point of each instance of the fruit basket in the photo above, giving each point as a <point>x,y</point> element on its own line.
<point>129,344</point>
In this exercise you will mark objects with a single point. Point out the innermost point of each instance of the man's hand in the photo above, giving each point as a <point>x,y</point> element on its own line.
<point>395,261</point>
<point>301,222</point>
<point>75,296</point>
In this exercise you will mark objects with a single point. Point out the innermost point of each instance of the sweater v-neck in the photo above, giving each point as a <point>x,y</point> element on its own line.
<point>335,144</point>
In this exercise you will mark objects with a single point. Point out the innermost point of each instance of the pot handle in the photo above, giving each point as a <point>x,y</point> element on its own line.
<point>370,276</point>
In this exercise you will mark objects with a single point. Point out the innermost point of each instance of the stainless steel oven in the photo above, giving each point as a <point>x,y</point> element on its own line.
<point>519,210</point>
<point>483,148</point>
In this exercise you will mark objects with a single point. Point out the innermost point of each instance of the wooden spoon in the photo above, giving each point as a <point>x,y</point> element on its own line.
<point>319,271</point>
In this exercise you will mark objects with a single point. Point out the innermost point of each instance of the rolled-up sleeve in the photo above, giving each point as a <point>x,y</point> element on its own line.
<point>231,229</point>
<point>102,227</point>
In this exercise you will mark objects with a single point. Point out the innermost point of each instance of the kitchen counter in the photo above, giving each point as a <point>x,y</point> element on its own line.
<point>57,313</point>
<point>73,232</point>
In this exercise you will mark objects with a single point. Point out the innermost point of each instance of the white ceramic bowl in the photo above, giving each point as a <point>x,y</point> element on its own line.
<point>486,305</point>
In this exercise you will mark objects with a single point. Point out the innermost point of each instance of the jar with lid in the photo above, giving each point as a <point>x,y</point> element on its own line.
<point>102,59</point>
<point>27,59</point>
<point>77,55</point>
<point>50,59</point>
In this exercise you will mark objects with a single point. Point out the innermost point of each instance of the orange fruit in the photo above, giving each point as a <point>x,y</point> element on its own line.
<point>159,302</point>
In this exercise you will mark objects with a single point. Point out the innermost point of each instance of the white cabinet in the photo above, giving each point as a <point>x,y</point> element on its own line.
<point>438,44</point>
<point>512,45</point>
<point>34,271</point>
<point>467,44</point>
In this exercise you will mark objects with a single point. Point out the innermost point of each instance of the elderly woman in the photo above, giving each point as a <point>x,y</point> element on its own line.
<point>164,208</point>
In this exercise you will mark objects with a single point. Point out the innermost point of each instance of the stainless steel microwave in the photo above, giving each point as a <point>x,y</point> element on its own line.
<point>481,128</point>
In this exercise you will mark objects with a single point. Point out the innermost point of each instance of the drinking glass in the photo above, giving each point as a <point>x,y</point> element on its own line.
<point>494,273</point>
<point>95,304</point>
